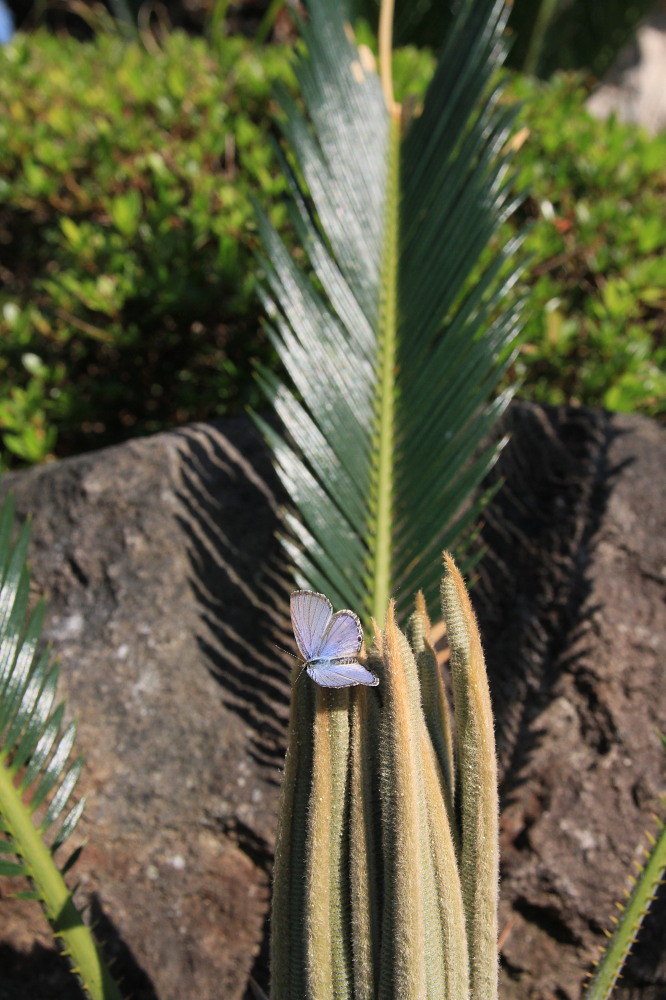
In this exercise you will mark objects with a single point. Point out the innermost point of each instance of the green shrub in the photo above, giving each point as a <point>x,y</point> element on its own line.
<point>125,177</point>
<point>126,254</point>
<point>596,315</point>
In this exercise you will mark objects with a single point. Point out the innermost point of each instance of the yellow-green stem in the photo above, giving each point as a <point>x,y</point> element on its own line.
<point>327,886</point>
<point>364,852</point>
<point>403,960</point>
<point>388,319</point>
<point>628,925</point>
<point>386,50</point>
<point>63,915</point>
<point>288,947</point>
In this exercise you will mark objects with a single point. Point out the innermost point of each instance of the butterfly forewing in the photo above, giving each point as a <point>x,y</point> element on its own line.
<point>310,614</point>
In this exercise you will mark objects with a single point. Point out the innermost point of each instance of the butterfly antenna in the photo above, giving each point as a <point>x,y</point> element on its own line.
<point>293,655</point>
<point>300,673</point>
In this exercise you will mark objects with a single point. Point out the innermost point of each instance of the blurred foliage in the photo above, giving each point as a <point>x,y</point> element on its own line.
<point>551,35</point>
<point>595,329</point>
<point>127,261</point>
<point>126,301</point>
<point>82,18</point>
<point>545,35</point>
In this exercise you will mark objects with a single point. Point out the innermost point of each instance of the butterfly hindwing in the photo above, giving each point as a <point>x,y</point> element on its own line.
<point>338,675</point>
<point>343,636</point>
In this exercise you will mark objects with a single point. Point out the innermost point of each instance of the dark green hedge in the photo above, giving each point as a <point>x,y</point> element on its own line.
<point>596,317</point>
<point>127,267</point>
<point>127,248</point>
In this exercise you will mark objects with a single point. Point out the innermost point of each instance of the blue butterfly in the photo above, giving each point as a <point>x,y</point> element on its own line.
<point>329,643</point>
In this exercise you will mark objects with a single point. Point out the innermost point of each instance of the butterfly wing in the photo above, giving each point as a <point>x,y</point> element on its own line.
<point>343,636</point>
<point>338,675</point>
<point>328,638</point>
<point>342,640</point>
<point>310,615</point>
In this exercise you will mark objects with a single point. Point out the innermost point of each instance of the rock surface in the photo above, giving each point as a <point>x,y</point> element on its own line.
<point>571,604</point>
<point>634,88</point>
<point>157,561</point>
<point>165,593</point>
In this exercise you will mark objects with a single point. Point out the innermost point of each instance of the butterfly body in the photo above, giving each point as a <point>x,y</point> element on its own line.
<point>329,661</point>
<point>328,643</point>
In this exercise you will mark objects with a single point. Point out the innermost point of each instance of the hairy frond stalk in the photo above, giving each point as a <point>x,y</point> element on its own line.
<point>476,778</point>
<point>378,899</point>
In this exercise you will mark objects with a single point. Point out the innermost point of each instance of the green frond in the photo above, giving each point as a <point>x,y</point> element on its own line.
<point>627,926</point>
<point>392,354</point>
<point>38,775</point>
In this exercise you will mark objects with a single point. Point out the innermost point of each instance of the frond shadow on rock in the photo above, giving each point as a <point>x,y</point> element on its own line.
<point>45,973</point>
<point>239,576</point>
<point>134,981</point>
<point>41,974</point>
<point>644,975</point>
<point>261,966</point>
<point>533,588</point>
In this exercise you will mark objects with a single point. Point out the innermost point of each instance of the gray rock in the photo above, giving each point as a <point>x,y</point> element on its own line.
<point>160,570</point>
<point>634,88</point>
<point>166,592</point>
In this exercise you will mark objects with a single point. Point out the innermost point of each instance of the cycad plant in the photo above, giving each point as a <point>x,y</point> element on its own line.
<point>386,865</point>
<point>386,862</point>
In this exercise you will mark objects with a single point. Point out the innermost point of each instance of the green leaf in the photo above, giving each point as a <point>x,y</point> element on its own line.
<point>628,925</point>
<point>12,868</point>
<point>391,354</point>
<point>73,233</point>
<point>28,894</point>
<point>125,211</point>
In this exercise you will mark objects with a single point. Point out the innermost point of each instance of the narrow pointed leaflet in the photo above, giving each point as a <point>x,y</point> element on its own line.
<point>395,335</point>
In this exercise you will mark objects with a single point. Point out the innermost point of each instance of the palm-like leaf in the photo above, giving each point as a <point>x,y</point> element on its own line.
<point>37,773</point>
<point>392,356</point>
<point>34,751</point>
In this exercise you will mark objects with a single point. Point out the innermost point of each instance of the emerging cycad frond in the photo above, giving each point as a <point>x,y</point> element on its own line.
<point>392,355</point>
<point>381,887</point>
<point>38,773</point>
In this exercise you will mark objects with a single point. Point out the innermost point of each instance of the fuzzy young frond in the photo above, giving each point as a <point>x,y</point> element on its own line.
<point>382,888</point>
